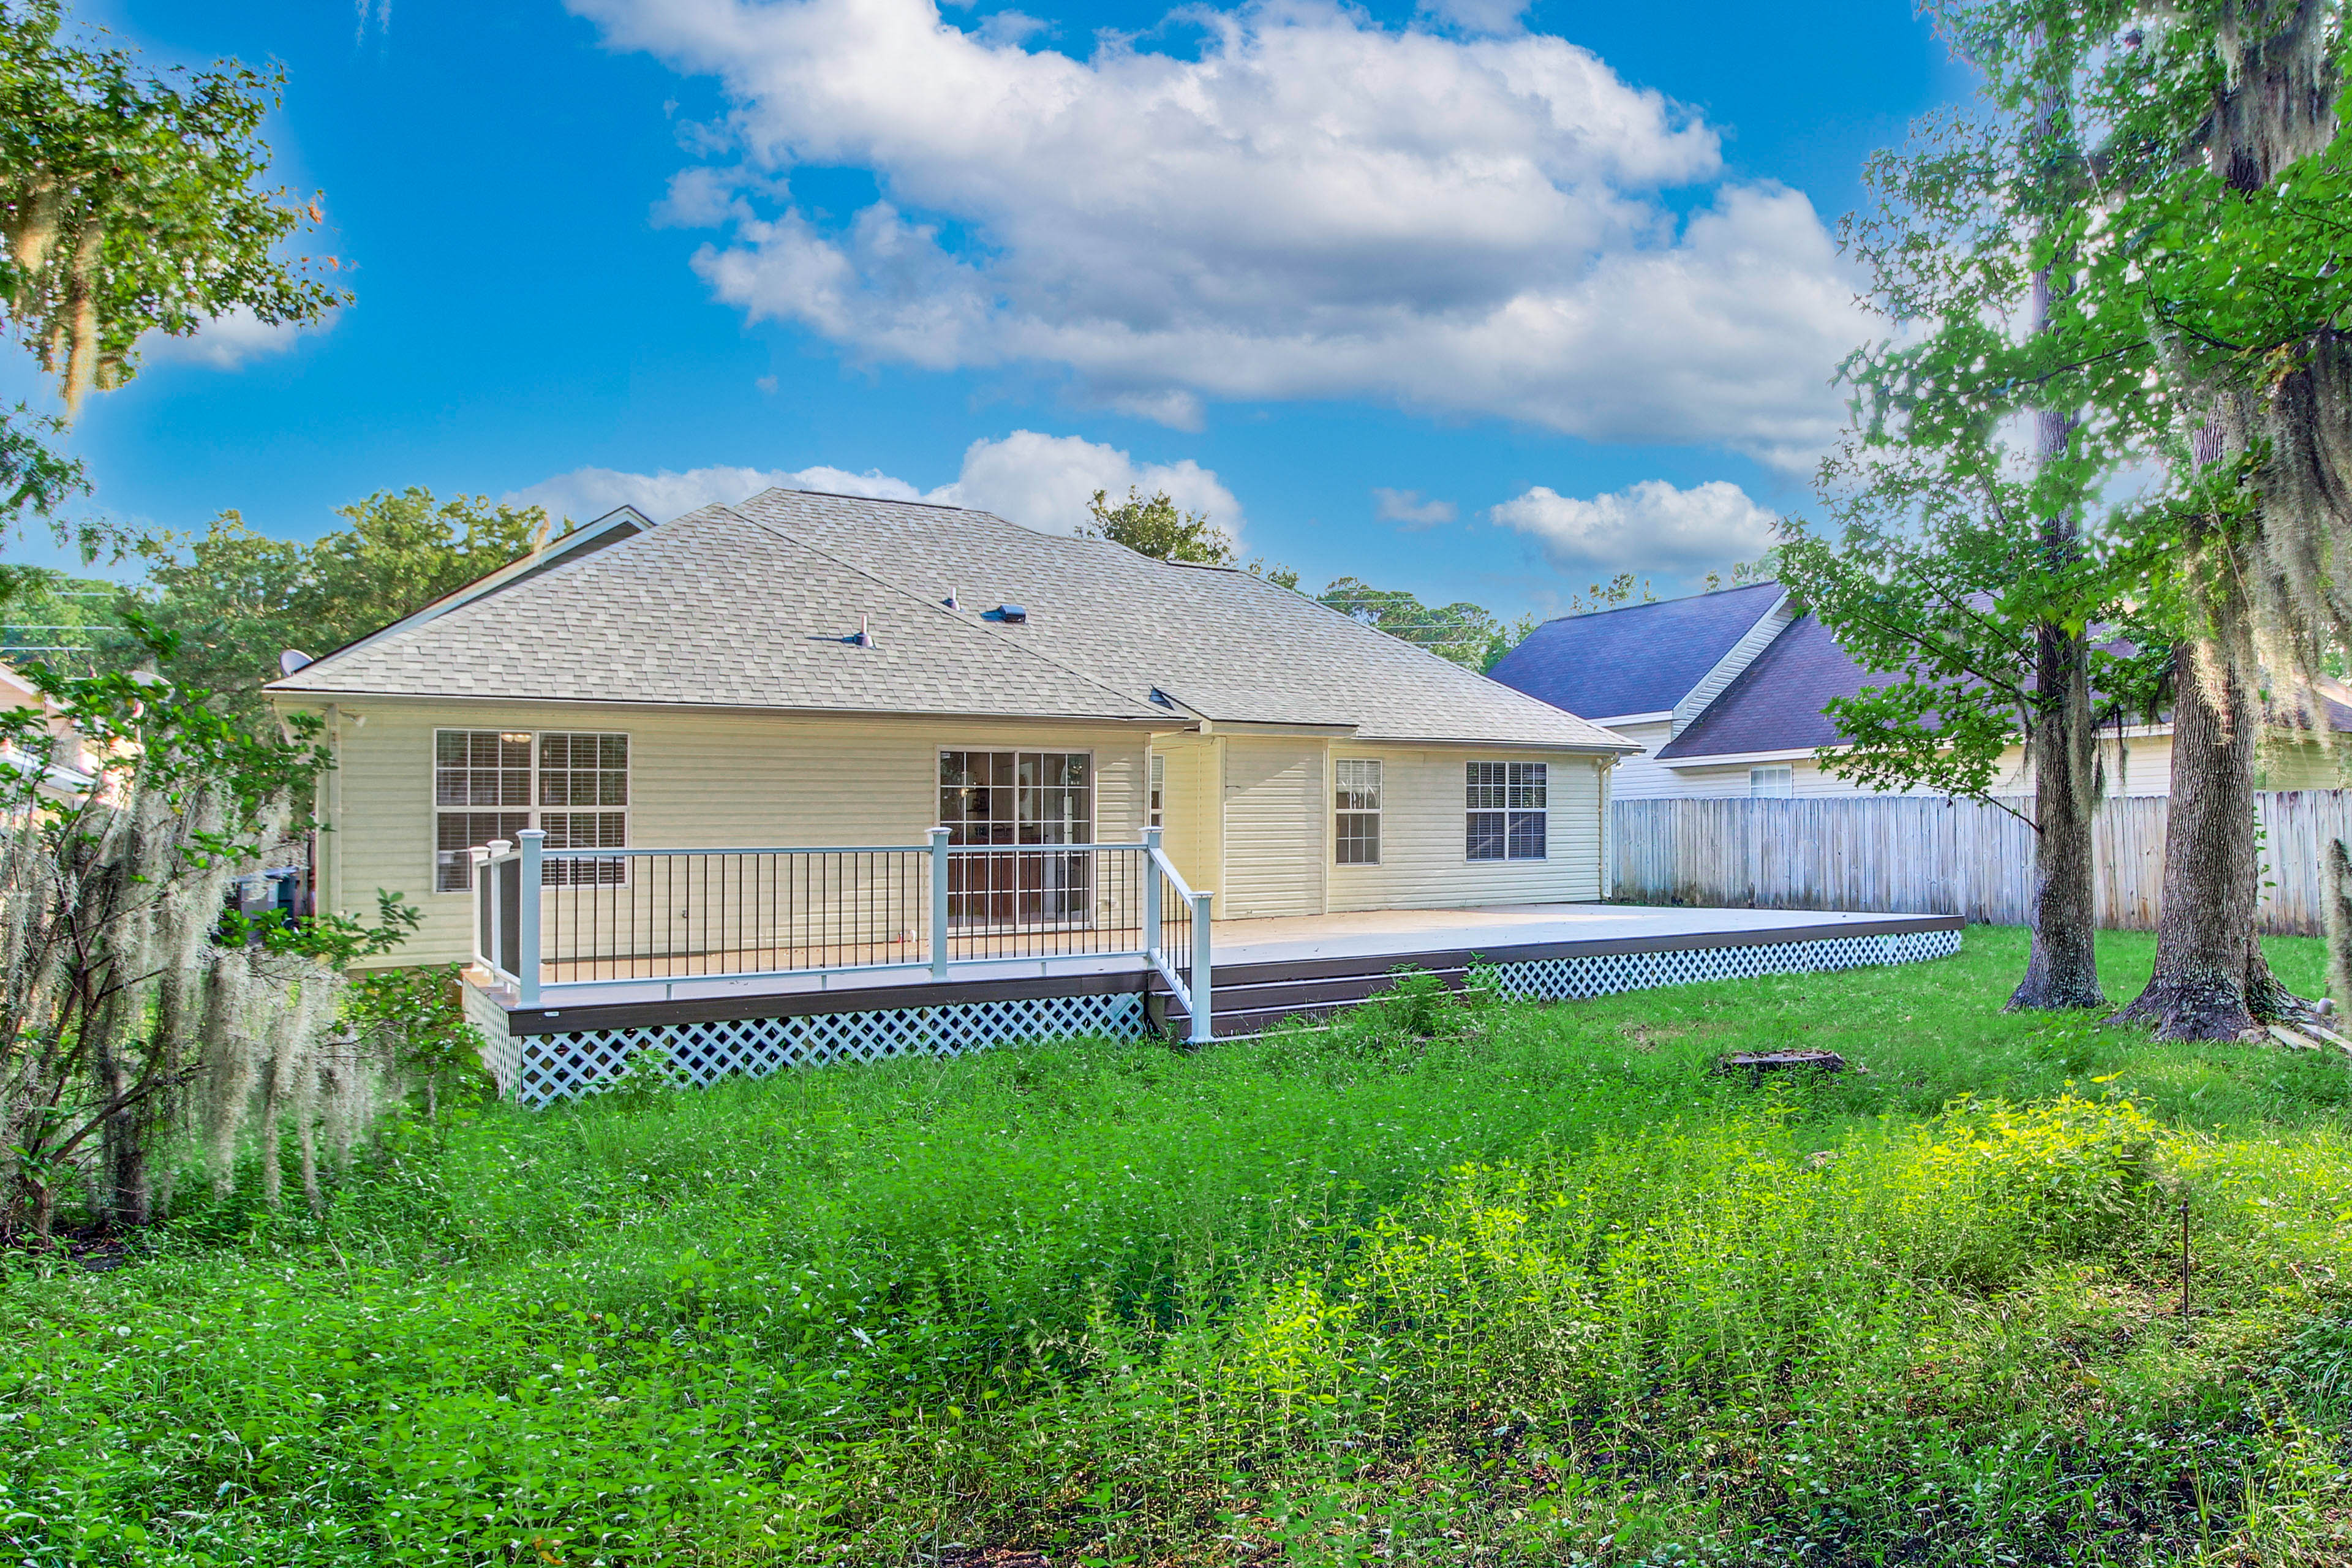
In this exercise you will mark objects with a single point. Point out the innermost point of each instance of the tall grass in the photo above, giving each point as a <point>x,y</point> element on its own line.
<point>1487,1284</point>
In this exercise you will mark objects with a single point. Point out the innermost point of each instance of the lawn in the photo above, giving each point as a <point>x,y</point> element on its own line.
<point>1523,1284</point>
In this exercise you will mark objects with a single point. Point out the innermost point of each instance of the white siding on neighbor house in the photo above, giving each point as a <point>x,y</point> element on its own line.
<point>697,778</point>
<point>1726,669</point>
<point>1275,827</point>
<point>1425,862</point>
<point>2142,767</point>
<point>1642,776</point>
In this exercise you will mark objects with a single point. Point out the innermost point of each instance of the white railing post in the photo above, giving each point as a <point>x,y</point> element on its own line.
<point>526,916</point>
<point>938,903</point>
<point>1151,892</point>
<point>1201,960</point>
<point>485,935</point>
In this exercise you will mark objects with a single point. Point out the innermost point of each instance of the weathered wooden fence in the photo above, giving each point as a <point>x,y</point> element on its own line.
<point>1913,856</point>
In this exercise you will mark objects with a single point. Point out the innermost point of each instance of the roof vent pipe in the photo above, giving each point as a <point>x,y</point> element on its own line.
<point>952,602</point>
<point>864,638</point>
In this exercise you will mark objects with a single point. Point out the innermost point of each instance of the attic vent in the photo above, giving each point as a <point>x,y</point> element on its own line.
<point>1012,613</point>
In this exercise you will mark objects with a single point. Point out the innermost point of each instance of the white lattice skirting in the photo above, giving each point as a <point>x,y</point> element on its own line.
<point>1603,975</point>
<point>549,1068</point>
<point>541,1069</point>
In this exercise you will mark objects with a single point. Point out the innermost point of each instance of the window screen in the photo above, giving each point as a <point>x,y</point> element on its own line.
<point>512,770</point>
<point>1356,797</point>
<point>1506,811</point>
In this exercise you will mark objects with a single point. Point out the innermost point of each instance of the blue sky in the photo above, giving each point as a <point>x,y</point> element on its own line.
<point>1477,302</point>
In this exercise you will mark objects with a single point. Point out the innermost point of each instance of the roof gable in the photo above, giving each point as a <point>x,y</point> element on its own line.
<point>1635,659</point>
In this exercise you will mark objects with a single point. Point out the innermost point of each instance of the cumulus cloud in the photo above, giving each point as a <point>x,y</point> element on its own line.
<point>1406,507</point>
<point>584,494</point>
<point>1649,526</point>
<point>224,342</point>
<point>1046,481</point>
<point>1312,205</point>
<point>1039,482</point>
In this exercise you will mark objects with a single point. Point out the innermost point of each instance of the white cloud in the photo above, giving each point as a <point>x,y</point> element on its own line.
<point>1407,508</point>
<point>226,341</point>
<point>1046,481</point>
<point>1649,526</point>
<point>1313,206</point>
<point>1039,482</point>
<point>584,494</point>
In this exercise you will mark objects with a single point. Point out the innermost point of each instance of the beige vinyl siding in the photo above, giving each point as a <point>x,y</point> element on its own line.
<point>1276,819</point>
<point>1425,862</point>
<point>1192,806</point>
<point>2302,764</point>
<point>696,779</point>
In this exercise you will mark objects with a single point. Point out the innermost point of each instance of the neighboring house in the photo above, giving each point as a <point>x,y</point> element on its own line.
<point>67,769</point>
<point>808,669</point>
<point>1725,693</point>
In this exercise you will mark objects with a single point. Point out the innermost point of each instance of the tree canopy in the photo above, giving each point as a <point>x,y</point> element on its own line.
<point>1152,525</point>
<point>232,599</point>
<point>131,202</point>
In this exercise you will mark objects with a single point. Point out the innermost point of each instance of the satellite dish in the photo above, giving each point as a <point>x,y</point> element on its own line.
<point>292,659</point>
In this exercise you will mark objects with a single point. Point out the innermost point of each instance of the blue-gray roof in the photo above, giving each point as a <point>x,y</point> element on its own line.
<point>1636,658</point>
<point>1775,704</point>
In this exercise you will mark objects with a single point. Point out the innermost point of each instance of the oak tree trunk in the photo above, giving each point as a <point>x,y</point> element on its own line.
<point>2211,982</point>
<point>2210,975</point>
<point>2063,968</point>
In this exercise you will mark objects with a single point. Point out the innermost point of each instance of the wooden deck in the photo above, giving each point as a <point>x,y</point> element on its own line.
<point>1265,969</point>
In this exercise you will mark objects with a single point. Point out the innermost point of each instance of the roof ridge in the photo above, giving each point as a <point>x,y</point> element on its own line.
<point>932,605</point>
<point>843,495</point>
<point>1684,599</point>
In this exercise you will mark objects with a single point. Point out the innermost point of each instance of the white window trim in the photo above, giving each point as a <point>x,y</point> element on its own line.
<point>1155,790</point>
<point>1780,773</point>
<point>1379,813</point>
<point>531,809</point>
<point>1506,811</point>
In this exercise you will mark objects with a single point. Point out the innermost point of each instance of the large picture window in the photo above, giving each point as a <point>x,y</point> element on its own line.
<point>1506,810</point>
<point>1017,798</point>
<point>492,783</point>
<point>1356,818</point>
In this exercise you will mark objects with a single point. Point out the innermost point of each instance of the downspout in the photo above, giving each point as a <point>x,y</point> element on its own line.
<point>1607,768</point>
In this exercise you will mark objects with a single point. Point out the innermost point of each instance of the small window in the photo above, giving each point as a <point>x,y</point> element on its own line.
<point>1159,791</point>
<point>1357,796</point>
<point>1776,782</point>
<point>1508,807</point>
<point>509,771</point>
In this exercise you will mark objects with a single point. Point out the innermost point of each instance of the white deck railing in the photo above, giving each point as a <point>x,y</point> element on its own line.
<point>574,925</point>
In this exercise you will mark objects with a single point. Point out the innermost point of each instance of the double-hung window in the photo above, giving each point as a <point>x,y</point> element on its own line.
<point>1158,817</point>
<point>1356,820</point>
<point>1507,808</point>
<point>492,783</point>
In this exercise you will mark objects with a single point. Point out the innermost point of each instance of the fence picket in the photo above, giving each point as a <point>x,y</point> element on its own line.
<point>1911,855</point>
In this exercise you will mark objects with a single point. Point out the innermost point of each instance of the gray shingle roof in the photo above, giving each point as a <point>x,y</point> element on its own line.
<point>1635,659</point>
<point>714,610</point>
<point>1775,704</point>
<point>1226,645</point>
<point>744,607</point>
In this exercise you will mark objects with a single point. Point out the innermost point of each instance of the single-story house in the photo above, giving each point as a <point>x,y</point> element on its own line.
<point>1725,691</point>
<point>809,669</point>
